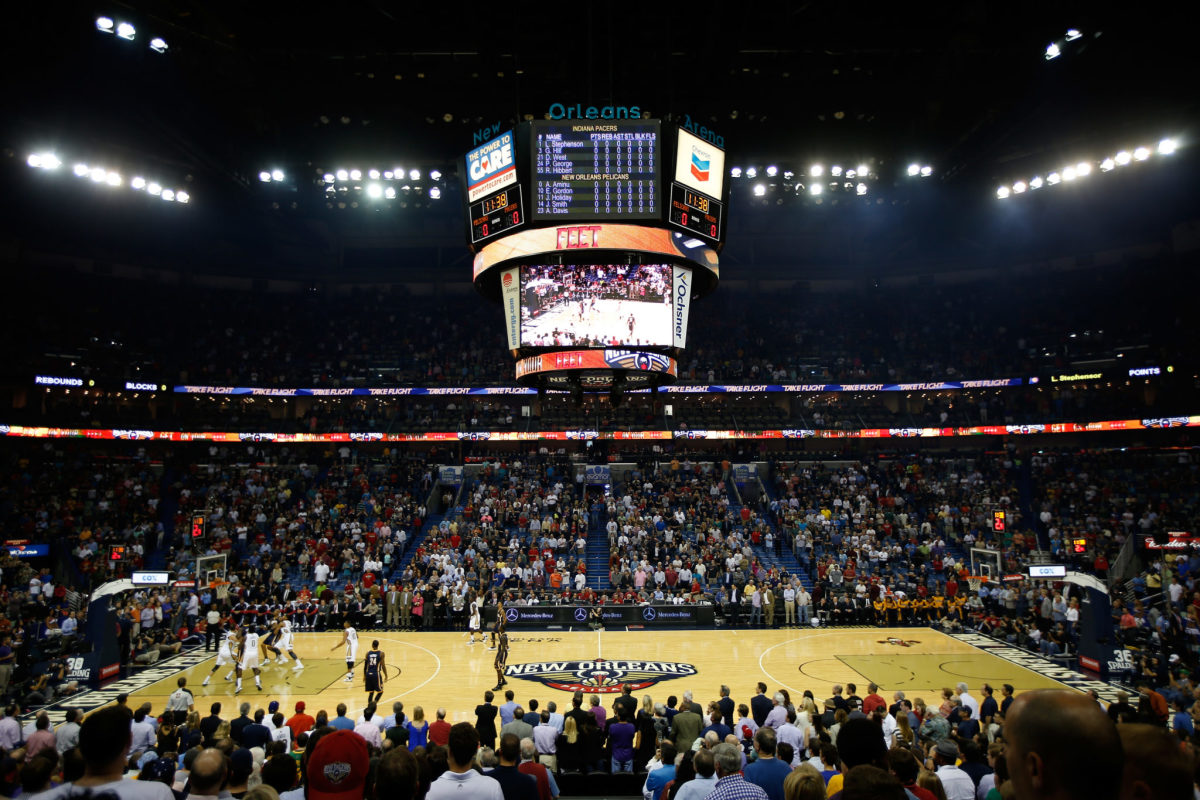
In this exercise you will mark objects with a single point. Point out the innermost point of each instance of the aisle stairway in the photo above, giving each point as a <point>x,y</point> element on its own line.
<point>597,553</point>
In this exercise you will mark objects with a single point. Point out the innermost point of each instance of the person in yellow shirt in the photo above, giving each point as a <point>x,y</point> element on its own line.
<point>938,610</point>
<point>893,609</point>
<point>905,611</point>
<point>880,611</point>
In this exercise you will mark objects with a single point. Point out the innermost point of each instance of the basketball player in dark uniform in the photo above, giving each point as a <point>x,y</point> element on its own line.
<point>501,660</point>
<point>373,673</point>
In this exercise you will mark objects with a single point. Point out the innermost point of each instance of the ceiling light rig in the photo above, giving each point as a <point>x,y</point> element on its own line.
<point>127,31</point>
<point>1073,173</point>
<point>104,176</point>
<point>380,186</point>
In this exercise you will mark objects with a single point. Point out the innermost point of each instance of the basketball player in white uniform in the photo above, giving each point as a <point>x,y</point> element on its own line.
<point>249,659</point>
<point>350,639</point>
<point>225,654</point>
<point>474,619</point>
<point>286,645</point>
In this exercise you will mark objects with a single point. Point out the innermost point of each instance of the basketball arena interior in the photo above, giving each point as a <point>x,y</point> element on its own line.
<point>789,400</point>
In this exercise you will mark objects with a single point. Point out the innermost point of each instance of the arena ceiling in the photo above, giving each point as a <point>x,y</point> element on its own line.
<point>964,87</point>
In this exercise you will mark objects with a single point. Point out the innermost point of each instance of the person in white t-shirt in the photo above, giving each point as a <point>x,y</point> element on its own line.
<point>460,780</point>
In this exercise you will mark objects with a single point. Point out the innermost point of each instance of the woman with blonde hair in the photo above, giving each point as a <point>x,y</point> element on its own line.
<point>903,736</point>
<point>804,783</point>
<point>570,747</point>
<point>930,782</point>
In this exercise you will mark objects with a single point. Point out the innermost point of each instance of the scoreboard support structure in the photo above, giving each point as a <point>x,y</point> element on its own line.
<point>596,235</point>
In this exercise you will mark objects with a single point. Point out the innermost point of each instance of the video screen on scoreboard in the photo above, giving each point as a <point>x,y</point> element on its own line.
<point>596,169</point>
<point>596,305</point>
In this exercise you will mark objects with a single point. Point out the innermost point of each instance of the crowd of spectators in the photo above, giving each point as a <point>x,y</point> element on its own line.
<point>981,745</point>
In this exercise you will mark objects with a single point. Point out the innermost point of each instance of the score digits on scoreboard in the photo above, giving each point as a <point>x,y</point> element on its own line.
<point>496,214</point>
<point>696,213</point>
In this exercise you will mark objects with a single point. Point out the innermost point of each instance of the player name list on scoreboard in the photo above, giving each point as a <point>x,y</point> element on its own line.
<point>599,169</point>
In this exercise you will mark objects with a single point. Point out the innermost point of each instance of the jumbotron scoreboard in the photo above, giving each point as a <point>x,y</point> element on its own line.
<point>596,235</point>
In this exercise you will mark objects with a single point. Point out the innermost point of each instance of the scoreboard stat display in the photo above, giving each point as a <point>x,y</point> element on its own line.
<point>596,169</point>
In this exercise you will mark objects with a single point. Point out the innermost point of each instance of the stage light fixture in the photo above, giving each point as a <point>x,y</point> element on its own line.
<point>356,174</point>
<point>759,190</point>
<point>1083,169</point>
<point>835,171</point>
<point>1166,147</point>
<point>752,172</point>
<point>816,189</point>
<point>276,174</point>
<point>113,179</point>
<point>926,172</point>
<point>815,170</point>
<point>327,177</point>
<point>182,197</point>
<point>80,170</point>
<point>138,183</point>
<point>861,189</point>
<point>414,174</point>
<point>1068,174</point>
<point>105,24</point>
<point>788,175</point>
<point>154,188</point>
<point>1123,158</point>
<point>436,193</point>
<point>1141,154</point>
<point>736,172</point>
<point>343,175</point>
<point>158,44</point>
<point>1036,182</point>
<point>914,170</point>
<point>1003,192</point>
<point>1019,187</point>
<point>374,191</point>
<point>34,160</point>
<point>168,195</point>
<point>863,170</point>
<point>1107,164</point>
<point>1053,178</point>
<point>126,31</point>
<point>1073,34</point>
<point>1052,52</point>
<point>264,176</point>
<point>435,175</point>
<point>98,174</point>
<point>390,193</point>
<point>772,171</point>
<point>388,175</point>
<point>373,174</point>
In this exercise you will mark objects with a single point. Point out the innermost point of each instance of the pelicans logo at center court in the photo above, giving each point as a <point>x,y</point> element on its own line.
<point>899,642</point>
<point>602,676</point>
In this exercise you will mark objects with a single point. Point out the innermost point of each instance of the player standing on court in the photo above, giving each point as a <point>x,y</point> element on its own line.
<point>225,653</point>
<point>473,620</point>
<point>501,661</point>
<point>350,639</point>
<point>374,673</point>
<point>249,659</point>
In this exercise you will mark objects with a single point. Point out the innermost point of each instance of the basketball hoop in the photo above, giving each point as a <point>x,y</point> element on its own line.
<point>974,582</point>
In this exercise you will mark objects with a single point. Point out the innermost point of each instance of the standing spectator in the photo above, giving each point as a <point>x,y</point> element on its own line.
<point>460,780</point>
<point>1084,764</point>
<point>730,783</point>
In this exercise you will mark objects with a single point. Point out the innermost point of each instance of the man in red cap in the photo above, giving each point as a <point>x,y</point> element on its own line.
<point>300,722</point>
<point>337,768</point>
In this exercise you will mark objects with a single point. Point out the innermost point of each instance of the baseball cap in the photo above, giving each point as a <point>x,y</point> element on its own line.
<point>337,768</point>
<point>300,707</point>
<point>273,706</point>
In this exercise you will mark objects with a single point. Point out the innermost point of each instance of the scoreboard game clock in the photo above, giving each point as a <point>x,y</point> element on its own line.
<point>496,214</point>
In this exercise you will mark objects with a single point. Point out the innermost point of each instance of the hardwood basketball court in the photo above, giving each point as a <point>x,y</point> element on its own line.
<point>441,669</point>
